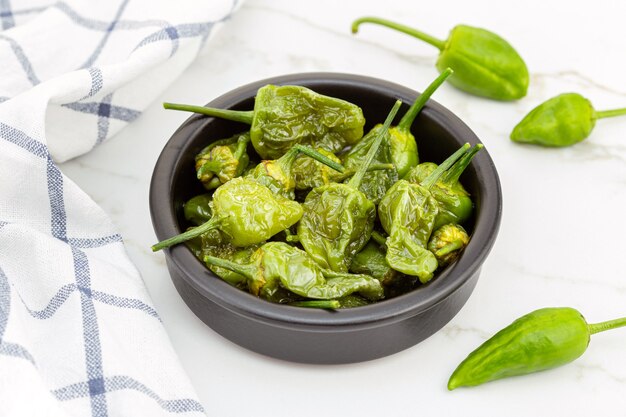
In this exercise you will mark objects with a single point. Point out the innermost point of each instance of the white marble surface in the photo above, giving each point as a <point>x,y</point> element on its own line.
<point>561,242</point>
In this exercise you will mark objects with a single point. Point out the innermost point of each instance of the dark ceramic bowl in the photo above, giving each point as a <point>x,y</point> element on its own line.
<point>320,336</point>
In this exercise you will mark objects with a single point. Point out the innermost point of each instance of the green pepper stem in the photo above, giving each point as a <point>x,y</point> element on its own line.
<point>610,113</point>
<point>449,248</point>
<point>319,157</point>
<point>452,175</point>
<point>329,304</point>
<point>188,235</point>
<point>209,167</point>
<point>445,165</point>
<point>416,107</point>
<point>606,325</point>
<point>245,270</point>
<point>233,115</point>
<point>242,144</point>
<point>379,238</point>
<point>355,181</point>
<point>437,43</point>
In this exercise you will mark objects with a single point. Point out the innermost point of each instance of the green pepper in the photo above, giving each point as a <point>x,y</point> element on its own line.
<point>485,64</point>
<point>198,209</point>
<point>560,121</point>
<point>338,218</point>
<point>447,242</point>
<point>227,251</point>
<point>309,173</point>
<point>287,115</point>
<point>454,202</point>
<point>543,339</point>
<point>222,160</point>
<point>407,213</point>
<point>277,175</point>
<point>246,212</point>
<point>277,264</point>
<point>400,148</point>
<point>371,260</point>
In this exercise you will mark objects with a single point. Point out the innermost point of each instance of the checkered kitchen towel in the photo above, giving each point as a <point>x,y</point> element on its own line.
<point>78,333</point>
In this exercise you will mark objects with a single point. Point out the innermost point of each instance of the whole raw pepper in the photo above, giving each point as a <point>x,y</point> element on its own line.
<point>287,115</point>
<point>277,264</point>
<point>454,202</point>
<point>338,218</point>
<point>485,64</point>
<point>540,340</point>
<point>222,160</point>
<point>278,176</point>
<point>447,242</point>
<point>197,210</point>
<point>407,213</point>
<point>400,148</point>
<point>246,212</point>
<point>561,121</point>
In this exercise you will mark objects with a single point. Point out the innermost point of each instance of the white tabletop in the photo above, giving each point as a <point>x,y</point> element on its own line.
<point>562,237</point>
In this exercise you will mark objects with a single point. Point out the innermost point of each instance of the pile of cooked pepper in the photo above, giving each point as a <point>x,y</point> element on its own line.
<point>329,218</point>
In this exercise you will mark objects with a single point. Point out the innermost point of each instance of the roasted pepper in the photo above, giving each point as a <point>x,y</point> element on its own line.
<point>407,213</point>
<point>400,148</point>
<point>540,340</point>
<point>246,212</point>
<point>561,121</point>
<point>197,210</point>
<point>454,202</point>
<point>277,175</point>
<point>287,115</point>
<point>447,242</point>
<point>371,260</point>
<point>277,264</point>
<point>338,218</point>
<point>222,160</point>
<point>485,64</point>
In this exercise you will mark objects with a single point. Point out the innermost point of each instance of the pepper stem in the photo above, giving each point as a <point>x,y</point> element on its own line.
<point>245,270</point>
<point>606,325</point>
<point>355,181</point>
<point>437,43</point>
<point>445,165</point>
<point>329,304</point>
<point>233,115</point>
<point>449,248</point>
<point>209,167</point>
<point>452,175</point>
<point>242,144</point>
<point>416,107</point>
<point>610,113</point>
<point>379,238</point>
<point>319,157</point>
<point>188,235</point>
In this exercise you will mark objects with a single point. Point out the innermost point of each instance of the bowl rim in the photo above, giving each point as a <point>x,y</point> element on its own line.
<point>165,223</point>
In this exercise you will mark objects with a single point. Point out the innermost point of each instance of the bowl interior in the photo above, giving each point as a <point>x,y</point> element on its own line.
<point>438,133</point>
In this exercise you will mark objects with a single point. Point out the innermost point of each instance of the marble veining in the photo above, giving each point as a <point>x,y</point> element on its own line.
<point>561,240</point>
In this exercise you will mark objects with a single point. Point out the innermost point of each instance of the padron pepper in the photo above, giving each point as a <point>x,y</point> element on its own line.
<point>454,202</point>
<point>543,339</point>
<point>309,173</point>
<point>447,242</point>
<point>222,160</point>
<point>407,213</point>
<point>338,218</point>
<point>278,174</point>
<point>485,64</point>
<point>197,210</point>
<point>560,121</point>
<point>277,264</point>
<point>400,149</point>
<point>287,115</point>
<point>246,212</point>
<point>371,260</point>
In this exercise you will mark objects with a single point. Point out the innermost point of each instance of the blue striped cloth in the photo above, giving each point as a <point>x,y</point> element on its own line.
<point>78,333</point>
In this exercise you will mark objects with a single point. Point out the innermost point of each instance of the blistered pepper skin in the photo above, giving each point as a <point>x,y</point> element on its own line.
<point>540,340</point>
<point>560,121</point>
